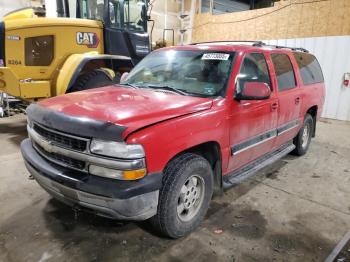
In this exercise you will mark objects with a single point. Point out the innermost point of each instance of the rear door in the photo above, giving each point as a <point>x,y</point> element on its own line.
<point>289,97</point>
<point>252,123</point>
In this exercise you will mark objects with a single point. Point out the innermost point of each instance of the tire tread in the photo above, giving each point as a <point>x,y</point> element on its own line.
<point>174,168</point>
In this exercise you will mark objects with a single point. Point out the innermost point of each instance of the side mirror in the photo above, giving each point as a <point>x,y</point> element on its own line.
<point>123,77</point>
<point>254,91</point>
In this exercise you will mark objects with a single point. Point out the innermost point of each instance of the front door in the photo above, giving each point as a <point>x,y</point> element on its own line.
<point>253,123</point>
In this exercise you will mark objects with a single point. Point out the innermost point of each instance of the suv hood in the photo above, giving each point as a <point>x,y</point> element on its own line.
<point>131,108</point>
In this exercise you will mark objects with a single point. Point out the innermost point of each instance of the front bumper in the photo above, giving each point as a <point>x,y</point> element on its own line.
<point>127,200</point>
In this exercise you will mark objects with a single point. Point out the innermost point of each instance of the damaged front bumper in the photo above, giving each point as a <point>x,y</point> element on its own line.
<point>126,200</point>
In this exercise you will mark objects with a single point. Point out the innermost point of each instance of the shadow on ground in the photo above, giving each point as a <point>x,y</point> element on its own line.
<point>16,131</point>
<point>85,236</point>
<point>241,225</point>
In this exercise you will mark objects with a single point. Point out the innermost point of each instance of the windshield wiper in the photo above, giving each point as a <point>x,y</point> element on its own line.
<point>169,88</point>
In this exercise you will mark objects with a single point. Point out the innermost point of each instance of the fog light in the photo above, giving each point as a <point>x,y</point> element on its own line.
<point>117,174</point>
<point>105,172</point>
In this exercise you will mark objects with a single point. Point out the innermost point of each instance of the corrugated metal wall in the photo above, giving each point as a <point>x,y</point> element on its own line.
<point>333,54</point>
<point>224,6</point>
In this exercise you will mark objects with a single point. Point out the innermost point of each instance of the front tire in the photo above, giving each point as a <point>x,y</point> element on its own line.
<point>95,78</point>
<point>303,139</point>
<point>185,196</point>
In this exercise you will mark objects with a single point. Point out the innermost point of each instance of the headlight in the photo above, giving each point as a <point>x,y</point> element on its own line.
<point>39,51</point>
<point>116,149</point>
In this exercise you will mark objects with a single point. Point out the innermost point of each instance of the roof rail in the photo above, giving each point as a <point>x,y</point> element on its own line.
<point>287,47</point>
<point>253,42</point>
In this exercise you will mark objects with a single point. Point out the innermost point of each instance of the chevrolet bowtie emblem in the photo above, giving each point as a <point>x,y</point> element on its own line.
<point>48,145</point>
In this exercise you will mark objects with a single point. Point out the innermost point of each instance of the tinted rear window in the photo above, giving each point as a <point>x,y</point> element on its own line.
<point>284,71</point>
<point>309,67</point>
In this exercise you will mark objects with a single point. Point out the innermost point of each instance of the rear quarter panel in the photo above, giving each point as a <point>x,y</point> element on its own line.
<point>313,95</point>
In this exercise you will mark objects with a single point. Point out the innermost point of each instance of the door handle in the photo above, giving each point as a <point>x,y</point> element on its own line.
<point>274,106</point>
<point>297,100</point>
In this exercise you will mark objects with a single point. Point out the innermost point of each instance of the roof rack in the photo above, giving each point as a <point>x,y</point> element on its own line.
<point>254,43</point>
<point>287,47</point>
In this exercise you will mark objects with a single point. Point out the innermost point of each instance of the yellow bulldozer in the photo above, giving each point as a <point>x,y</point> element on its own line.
<point>88,45</point>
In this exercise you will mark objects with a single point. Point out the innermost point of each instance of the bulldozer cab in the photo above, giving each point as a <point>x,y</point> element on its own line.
<point>125,23</point>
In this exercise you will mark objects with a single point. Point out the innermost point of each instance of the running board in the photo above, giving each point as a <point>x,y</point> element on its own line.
<point>251,169</point>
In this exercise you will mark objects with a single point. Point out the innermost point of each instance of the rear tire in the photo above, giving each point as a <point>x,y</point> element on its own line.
<point>185,196</point>
<point>95,78</point>
<point>303,139</point>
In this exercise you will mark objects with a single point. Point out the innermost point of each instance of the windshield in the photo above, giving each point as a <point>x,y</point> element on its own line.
<point>200,73</point>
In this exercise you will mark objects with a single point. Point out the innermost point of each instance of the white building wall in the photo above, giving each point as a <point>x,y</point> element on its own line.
<point>51,8</point>
<point>7,6</point>
<point>333,53</point>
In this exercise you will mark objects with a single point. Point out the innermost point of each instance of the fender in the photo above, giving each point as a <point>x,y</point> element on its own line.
<point>72,67</point>
<point>163,141</point>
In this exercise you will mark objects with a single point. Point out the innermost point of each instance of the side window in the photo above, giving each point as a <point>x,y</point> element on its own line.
<point>253,69</point>
<point>115,13</point>
<point>92,9</point>
<point>134,15</point>
<point>309,67</point>
<point>284,71</point>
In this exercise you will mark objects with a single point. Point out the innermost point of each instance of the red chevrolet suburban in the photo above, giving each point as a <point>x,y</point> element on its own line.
<point>187,122</point>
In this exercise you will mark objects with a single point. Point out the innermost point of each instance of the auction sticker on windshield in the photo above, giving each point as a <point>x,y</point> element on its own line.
<point>215,56</point>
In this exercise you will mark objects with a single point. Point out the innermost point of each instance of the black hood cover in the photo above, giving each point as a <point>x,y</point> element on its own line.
<point>78,126</point>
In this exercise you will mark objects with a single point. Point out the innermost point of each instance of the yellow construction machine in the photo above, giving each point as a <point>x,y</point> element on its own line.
<point>89,45</point>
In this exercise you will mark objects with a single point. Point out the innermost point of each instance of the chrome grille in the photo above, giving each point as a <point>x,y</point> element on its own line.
<point>73,151</point>
<point>60,159</point>
<point>61,139</point>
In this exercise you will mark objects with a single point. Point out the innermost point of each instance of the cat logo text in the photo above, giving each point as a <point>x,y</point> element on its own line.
<point>89,39</point>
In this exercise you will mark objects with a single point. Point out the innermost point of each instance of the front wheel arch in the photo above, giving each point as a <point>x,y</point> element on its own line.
<point>168,220</point>
<point>77,64</point>
<point>211,151</point>
<point>93,79</point>
<point>113,68</point>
